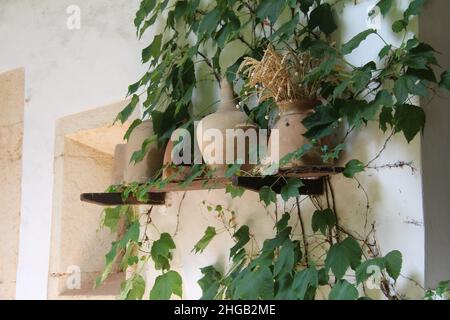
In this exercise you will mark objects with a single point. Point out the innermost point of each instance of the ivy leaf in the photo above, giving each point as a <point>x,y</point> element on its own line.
<point>445,80</point>
<point>368,268</point>
<point>270,9</point>
<point>160,251</point>
<point>209,283</point>
<point>385,6</point>
<point>303,281</point>
<point>286,259</point>
<point>414,8</point>
<point>201,245</point>
<point>385,51</point>
<point>343,290</point>
<point>255,284</point>
<point>322,17</point>
<point>343,255</point>
<point>323,220</point>
<point>267,195</point>
<point>153,50</point>
<point>393,262</point>
<point>399,25</point>
<point>111,218</point>
<point>290,189</point>
<point>209,22</point>
<point>382,99</point>
<point>234,191</point>
<point>386,118</point>
<point>128,110</point>
<point>242,236</point>
<point>166,285</point>
<point>354,43</point>
<point>133,289</point>
<point>410,120</point>
<point>352,168</point>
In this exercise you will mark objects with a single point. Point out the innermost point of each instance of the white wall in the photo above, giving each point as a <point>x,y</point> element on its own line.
<point>69,70</point>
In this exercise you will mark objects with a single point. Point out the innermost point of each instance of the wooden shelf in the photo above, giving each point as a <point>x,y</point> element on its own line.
<point>311,176</point>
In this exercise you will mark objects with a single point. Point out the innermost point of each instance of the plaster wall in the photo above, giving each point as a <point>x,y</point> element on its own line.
<point>69,70</point>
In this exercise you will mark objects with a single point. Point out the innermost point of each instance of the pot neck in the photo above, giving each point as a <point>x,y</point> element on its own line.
<point>227,101</point>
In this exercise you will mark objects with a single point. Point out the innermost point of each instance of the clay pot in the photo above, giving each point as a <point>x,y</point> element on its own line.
<point>152,161</point>
<point>119,164</point>
<point>226,117</point>
<point>250,149</point>
<point>291,130</point>
<point>175,172</point>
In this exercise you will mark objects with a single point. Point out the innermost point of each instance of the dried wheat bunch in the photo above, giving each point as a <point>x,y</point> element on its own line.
<point>280,76</point>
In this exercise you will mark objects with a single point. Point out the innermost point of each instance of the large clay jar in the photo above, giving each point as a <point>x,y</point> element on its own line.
<point>152,162</point>
<point>291,130</point>
<point>119,164</point>
<point>226,117</point>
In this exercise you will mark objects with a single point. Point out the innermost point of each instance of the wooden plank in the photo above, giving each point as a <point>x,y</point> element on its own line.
<point>310,187</point>
<point>311,171</point>
<point>199,184</point>
<point>115,199</point>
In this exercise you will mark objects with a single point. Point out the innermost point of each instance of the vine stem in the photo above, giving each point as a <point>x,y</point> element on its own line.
<point>305,242</point>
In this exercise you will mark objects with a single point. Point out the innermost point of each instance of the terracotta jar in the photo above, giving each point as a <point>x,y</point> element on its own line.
<point>291,130</point>
<point>152,161</point>
<point>250,145</point>
<point>226,117</point>
<point>175,172</point>
<point>119,164</point>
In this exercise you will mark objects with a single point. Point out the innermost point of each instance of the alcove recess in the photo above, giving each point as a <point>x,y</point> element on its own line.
<point>84,152</point>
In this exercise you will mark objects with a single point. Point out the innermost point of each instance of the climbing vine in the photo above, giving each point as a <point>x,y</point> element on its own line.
<point>289,265</point>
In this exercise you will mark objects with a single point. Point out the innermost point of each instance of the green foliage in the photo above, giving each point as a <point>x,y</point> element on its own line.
<point>343,290</point>
<point>161,252</point>
<point>201,245</point>
<point>323,220</point>
<point>242,236</point>
<point>356,41</point>
<point>166,285</point>
<point>291,188</point>
<point>353,167</point>
<point>342,256</point>
<point>209,283</point>
<point>267,195</point>
<point>133,288</point>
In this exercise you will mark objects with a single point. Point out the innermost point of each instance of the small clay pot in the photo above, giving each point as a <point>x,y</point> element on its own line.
<point>152,162</point>
<point>291,130</point>
<point>176,173</point>
<point>250,150</point>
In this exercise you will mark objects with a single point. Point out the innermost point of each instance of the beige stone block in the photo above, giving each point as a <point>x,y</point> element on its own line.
<point>11,136</point>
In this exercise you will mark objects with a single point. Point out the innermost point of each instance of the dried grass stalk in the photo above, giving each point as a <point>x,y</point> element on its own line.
<point>280,76</point>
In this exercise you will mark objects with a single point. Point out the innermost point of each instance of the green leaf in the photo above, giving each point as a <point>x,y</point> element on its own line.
<point>368,268</point>
<point>111,218</point>
<point>410,120</point>
<point>354,43</point>
<point>166,285</point>
<point>286,258</point>
<point>399,25</point>
<point>255,284</point>
<point>352,168</point>
<point>322,17</point>
<point>234,191</point>
<point>242,236</point>
<point>393,262</point>
<point>303,281</point>
<point>270,9</point>
<point>210,282</point>
<point>267,195</point>
<point>291,188</point>
<point>133,289</point>
<point>445,80</point>
<point>153,50</point>
<point>305,5</point>
<point>385,51</point>
<point>128,110</point>
<point>200,246</point>
<point>343,290</point>
<point>385,6</point>
<point>209,22</point>
<point>130,129</point>
<point>414,8</point>
<point>323,220</point>
<point>286,29</point>
<point>160,251</point>
<point>386,118</point>
<point>343,255</point>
